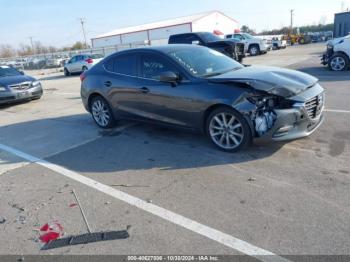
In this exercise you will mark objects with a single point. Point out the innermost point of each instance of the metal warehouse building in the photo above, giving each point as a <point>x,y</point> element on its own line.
<point>159,32</point>
<point>342,24</point>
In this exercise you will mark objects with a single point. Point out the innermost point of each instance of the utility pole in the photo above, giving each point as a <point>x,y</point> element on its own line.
<point>31,43</point>
<point>82,21</point>
<point>291,19</point>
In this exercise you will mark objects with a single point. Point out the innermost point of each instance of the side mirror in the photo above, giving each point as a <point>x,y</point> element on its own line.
<point>169,77</point>
<point>21,72</point>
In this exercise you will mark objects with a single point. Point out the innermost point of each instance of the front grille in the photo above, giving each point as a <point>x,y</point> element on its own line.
<point>239,48</point>
<point>314,106</point>
<point>21,86</point>
<point>7,98</point>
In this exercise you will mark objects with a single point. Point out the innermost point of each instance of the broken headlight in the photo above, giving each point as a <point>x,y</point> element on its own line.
<point>264,116</point>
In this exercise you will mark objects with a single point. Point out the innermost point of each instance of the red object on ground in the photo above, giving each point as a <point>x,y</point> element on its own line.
<point>50,232</point>
<point>73,205</point>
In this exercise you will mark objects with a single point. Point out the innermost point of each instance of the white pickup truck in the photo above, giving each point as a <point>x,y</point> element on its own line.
<point>337,56</point>
<point>253,45</point>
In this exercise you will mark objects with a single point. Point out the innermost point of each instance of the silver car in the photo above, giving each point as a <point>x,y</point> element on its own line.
<point>81,63</point>
<point>15,86</point>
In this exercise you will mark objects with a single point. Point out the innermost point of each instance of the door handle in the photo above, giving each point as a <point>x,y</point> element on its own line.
<point>108,83</point>
<point>144,90</point>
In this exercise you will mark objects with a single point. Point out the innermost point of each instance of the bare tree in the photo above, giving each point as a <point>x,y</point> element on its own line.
<point>7,51</point>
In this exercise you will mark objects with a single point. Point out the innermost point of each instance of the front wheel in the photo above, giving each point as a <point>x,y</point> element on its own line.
<point>254,50</point>
<point>339,62</point>
<point>228,129</point>
<point>101,112</point>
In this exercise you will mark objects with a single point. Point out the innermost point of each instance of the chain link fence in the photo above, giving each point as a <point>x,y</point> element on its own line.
<point>58,59</point>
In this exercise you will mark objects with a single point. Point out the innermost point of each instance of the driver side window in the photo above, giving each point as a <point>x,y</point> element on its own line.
<point>152,66</point>
<point>239,37</point>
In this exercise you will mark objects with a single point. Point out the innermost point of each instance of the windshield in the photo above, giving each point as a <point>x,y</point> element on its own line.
<point>96,56</point>
<point>204,62</point>
<point>208,37</point>
<point>248,36</point>
<point>8,71</point>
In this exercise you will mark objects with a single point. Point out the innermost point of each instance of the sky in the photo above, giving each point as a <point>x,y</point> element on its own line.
<point>56,22</point>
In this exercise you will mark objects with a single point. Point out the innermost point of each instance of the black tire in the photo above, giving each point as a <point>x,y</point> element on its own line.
<point>97,117</point>
<point>66,72</point>
<point>84,68</point>
<point>244,129</point>
<point>340,67</point>
<point>254,50</point>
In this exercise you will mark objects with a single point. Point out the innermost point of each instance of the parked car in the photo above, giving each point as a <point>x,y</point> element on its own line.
<point>337,56</point>
<point>81,63</point>
<point>201,89</point>
<point>232,49</point>
<point>15,86</point>
<point>278,43</point>
<point>254,46</point>
<point>57,61</point>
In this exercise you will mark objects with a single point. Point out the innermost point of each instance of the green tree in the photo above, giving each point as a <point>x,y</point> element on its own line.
<point>246,29</point>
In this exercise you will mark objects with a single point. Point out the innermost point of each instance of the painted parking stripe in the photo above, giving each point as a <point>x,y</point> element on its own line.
<point>337,111</point>
<point>118,129</point>
<point>211,233</point>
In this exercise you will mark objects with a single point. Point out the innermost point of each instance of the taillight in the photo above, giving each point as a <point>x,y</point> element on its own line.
<point>89,60</point>
<point>82,77</point>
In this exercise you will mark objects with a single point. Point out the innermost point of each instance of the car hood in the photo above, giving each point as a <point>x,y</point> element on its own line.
<point>336,41</point>
<point>221,43</point>
<point>11,80</point>
<point>273,80</point>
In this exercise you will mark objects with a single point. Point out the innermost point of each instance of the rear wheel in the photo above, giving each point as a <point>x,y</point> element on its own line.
<point>339,62</point>
<point>66,72</point>
<point>101,112</point>
<point>228,129</point>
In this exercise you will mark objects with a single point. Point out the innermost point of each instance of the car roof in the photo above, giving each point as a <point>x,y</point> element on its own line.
<point>163,48</point>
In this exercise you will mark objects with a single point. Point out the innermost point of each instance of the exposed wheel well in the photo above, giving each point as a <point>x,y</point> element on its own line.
<point>251,45</point>
<point>342,53</point>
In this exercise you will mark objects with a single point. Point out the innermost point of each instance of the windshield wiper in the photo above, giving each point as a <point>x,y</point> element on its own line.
<point>220,73</point>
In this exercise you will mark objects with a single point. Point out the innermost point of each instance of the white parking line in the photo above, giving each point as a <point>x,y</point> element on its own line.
<point>118,129</point>
<point>337,111</point>
<point>211,233</point>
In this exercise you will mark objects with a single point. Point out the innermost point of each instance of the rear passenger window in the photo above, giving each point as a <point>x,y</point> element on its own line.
<point>123,64</point>
<point>109,65</point>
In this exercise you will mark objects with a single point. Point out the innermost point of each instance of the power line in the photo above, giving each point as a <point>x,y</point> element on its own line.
<point>82,21</point>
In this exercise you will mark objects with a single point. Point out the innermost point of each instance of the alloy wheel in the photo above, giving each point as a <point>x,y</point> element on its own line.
<point>226,131</point>
<point>338,63</point>
<point>254,51</point>
<point>101,113</point>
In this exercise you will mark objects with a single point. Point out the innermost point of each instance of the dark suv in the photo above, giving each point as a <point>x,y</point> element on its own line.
<point>229,47</point>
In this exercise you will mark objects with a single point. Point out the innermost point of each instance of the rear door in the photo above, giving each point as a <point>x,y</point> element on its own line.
<point>70,64</point>
<point>75,66</point>
<point>122,83</point>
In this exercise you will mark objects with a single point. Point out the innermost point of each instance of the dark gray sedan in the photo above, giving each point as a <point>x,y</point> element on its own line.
<point>198,88</point>
<point>15,86</point>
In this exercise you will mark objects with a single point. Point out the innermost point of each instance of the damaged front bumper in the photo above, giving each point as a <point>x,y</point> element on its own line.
<point>300,120</point>
<point>292,124</point>
<point>327,55</point>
